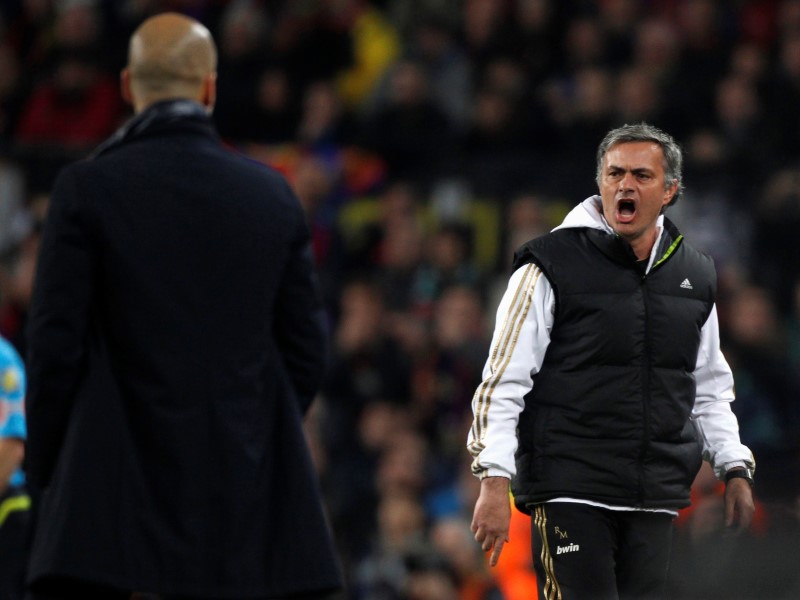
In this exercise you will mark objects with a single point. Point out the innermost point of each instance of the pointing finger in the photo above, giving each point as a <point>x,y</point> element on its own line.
<point>498,548</point>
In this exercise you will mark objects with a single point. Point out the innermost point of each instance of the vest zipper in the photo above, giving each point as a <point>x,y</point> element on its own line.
<point>646,359</point>
<point>669,251</point>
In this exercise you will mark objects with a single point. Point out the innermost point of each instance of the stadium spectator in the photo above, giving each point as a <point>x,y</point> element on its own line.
<point>18,265</point>
<point>10,93</point>
<point>243,35</point>
<point>15,502</point>
<point>453,539</point>
<point>409,130</point>
<point>76,108</point>
<point>766,386</point>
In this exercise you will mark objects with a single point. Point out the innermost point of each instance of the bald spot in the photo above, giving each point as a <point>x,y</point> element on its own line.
<point>169,56</point>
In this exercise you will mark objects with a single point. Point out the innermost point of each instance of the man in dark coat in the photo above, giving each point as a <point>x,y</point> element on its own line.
<point>176,340</point>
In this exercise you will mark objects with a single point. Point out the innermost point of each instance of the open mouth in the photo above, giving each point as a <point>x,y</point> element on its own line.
<point>626,210</point>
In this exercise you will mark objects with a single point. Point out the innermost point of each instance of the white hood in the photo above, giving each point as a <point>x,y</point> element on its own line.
<point>589,213</point>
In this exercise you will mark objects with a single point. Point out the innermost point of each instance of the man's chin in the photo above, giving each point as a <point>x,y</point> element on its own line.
<point>626,231</point>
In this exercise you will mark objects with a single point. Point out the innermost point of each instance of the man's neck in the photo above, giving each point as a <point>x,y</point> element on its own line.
<point>642,245</point>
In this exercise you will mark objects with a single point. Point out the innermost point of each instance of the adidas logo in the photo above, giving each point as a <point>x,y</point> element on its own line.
<point>570,548</point>
<point>686,284</point>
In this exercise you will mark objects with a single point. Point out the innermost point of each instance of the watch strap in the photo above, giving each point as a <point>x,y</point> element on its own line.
<point>739,473</point>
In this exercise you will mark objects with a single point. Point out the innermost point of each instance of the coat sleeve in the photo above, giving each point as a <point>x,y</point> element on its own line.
<point>300,317</point>
<point>57,326</point>
<point>520,339</point>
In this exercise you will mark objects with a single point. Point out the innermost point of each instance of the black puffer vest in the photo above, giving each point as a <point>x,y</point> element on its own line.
<point>608,416</point>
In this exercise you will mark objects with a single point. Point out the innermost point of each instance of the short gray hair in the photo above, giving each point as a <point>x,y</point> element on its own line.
<point>642,132</point>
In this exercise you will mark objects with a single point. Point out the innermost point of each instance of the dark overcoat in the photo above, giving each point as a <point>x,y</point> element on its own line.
<point>176,339</point>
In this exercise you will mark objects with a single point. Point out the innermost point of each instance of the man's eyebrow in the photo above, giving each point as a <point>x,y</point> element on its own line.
<point>635,170</point>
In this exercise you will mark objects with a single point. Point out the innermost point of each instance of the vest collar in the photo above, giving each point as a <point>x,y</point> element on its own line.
<point>620,251</point>
<point>589,215</point>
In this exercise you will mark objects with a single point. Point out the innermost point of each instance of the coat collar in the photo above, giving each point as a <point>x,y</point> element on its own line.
<point>155,117</point>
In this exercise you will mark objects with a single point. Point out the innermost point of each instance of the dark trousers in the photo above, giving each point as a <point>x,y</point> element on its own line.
<point>14,538</point>
<point>59,588</point>
<point>582,551</point>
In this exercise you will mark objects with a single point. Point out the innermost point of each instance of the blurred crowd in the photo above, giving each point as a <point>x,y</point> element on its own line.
<point>427,139</point>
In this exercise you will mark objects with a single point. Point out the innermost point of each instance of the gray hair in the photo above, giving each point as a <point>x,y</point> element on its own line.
<point>642,132</point>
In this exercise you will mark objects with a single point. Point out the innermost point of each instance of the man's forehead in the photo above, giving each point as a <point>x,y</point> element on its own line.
<point>629,154</point>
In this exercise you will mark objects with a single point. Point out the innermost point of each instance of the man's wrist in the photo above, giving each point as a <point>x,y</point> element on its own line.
<point>740,473</point>
<point>496,482</point>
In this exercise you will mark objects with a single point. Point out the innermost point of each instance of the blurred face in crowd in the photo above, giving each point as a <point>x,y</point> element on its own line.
<point>634,192</point>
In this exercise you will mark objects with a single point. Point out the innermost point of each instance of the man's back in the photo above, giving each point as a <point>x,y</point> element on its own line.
<point>188,344</point>
<point>195,242</point>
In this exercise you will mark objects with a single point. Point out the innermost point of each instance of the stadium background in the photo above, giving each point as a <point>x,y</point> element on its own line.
<point>426,140</point>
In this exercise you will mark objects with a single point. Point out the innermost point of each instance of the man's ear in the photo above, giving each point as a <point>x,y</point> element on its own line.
<point>125,85</point>
<point>209,98</point>
<point>669,196</point>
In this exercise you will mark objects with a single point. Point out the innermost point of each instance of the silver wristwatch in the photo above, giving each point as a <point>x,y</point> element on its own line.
<point>742,472</point>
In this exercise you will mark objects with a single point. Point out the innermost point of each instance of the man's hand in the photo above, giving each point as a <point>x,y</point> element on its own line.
<point>739,506</point>
<point>12,451</point>
<point>490,521</point>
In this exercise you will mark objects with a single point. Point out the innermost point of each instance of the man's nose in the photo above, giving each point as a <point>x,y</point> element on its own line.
<point>626,182</point>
